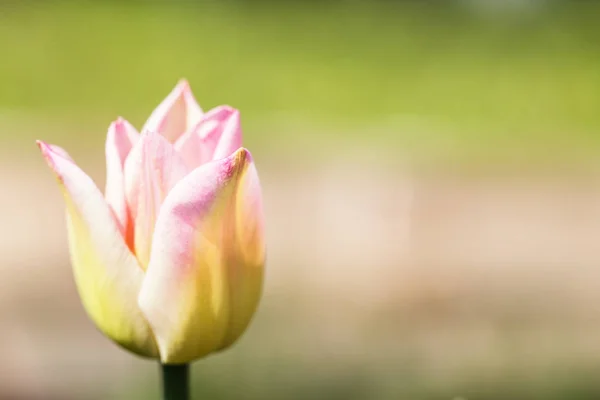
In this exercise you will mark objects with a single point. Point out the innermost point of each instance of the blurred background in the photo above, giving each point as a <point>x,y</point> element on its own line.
<point>431,173</point>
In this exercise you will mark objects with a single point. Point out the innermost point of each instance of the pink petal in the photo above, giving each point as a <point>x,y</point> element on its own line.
<point>151,170</point>
<point>205,275</point>
<point>120,139</point>
<point>216,136</point>
<point>107,274</point>
<point>57,150</point>
<point>177,113</point>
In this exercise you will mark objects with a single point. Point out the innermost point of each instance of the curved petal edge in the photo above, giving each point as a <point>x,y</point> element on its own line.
<point>120,139</point>
<point>177,113</point>
<point>107,274</point>
<point>217,135</point>
<point>204,279</point>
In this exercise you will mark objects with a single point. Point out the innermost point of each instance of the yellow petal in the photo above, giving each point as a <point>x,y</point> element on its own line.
<point>204,279</point>
<point>245,282</point>
<point>107,274</point>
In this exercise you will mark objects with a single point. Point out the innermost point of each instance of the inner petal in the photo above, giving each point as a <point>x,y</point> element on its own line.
<point>151,170</point>
<point>177,113</point>
<point>120,140</point>
<point>217,135</point>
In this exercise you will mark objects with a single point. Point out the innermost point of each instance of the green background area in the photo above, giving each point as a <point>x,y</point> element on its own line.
<point>413,74</point>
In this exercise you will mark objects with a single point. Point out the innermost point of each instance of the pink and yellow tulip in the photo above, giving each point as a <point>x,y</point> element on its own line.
<point>169,261</point>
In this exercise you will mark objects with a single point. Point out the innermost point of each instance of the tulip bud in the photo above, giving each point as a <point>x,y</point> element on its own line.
<point>169,263</point>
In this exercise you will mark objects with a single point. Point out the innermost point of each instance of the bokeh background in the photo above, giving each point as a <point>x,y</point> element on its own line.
<point>431,174</point>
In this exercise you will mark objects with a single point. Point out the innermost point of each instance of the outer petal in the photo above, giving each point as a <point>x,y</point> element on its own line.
<point>59,150</point>
<point>107,275</point>
<point>205,276</point>
<point>177,113</point>
<point>216,136</point>
<point>120,139</point>
<point>151,170</point>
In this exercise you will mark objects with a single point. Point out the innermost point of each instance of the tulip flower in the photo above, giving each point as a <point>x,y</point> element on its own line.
<point>169,261</point>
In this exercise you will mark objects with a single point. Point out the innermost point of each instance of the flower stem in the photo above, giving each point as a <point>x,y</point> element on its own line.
<point>176,382</point>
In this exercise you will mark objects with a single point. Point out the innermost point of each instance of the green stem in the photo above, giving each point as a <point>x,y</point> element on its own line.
<point>176,382</point>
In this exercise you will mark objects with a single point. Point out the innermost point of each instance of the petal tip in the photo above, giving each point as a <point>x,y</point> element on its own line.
<point>223,111</point>
<point>119,125</point>
<point>122,128</point>
<point>183,85</point>
<point>242,155</point>
<point>46,149</point>
<point>228,108</point>
<point>237,161</point>
<point>233,114</point>
<point>116,126</point>
<point>54,156</point>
